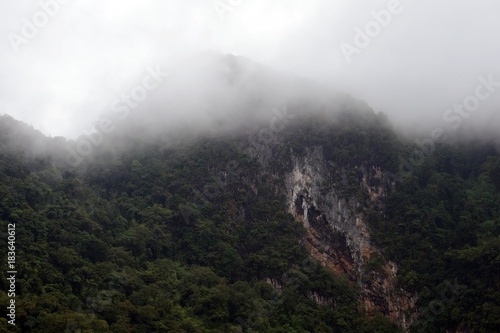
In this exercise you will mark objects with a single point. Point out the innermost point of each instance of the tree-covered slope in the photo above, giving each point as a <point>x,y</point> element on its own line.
<point>442,225</point>
<point>156,233</point>
<point>144,240</point>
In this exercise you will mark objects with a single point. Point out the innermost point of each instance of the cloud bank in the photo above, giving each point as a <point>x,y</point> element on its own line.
<point>65,62</point>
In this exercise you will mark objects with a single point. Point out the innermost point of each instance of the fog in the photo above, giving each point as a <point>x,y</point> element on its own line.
<point>67,64</point>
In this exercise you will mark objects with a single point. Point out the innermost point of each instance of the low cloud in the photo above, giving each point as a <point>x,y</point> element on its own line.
<point>85,54</point>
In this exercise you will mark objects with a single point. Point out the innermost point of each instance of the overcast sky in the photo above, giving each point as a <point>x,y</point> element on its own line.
<point>417,62</point>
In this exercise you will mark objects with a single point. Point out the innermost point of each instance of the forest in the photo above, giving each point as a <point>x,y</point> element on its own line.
<point>145,239</point>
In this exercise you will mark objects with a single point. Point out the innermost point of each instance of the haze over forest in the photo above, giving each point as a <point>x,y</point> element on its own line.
<point>285,166</point>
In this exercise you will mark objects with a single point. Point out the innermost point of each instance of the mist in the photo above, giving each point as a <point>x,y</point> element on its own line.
<point>68,66</point>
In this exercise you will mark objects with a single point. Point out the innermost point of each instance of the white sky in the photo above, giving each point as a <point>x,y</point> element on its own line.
<point>427,58</point>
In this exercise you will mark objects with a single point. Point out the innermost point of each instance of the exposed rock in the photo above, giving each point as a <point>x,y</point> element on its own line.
<point>337,233</point>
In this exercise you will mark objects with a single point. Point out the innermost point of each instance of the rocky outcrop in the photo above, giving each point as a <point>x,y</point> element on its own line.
<point>337,231</point>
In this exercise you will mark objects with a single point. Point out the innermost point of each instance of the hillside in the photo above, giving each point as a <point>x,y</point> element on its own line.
<point>298,218</point>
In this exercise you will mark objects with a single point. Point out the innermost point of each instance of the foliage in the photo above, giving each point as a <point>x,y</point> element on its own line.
<point>154,238</point>
<point>442,227</point>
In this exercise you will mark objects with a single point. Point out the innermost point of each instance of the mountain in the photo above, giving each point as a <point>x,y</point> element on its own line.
<point>239,199</point>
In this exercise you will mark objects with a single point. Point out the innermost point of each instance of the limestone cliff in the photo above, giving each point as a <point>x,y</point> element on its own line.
<point>337,231</point>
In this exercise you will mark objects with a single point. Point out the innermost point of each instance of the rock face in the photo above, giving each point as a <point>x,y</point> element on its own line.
<point>337,233</point>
